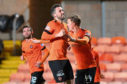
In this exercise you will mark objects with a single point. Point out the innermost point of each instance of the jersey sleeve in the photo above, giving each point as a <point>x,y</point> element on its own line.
<point>88,34</point>
<point>23,52</point>
<point>45,53</point>
<point>48,33</point>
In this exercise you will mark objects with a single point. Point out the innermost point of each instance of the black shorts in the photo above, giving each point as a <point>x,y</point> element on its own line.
<point>96,82</point>
<point>61,70</point>
<point>36,78</point>
<point>85,76</point>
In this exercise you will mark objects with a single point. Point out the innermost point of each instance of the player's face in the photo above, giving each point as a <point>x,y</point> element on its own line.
<point>59,13</point>
<point>27,32</point>
<point>70,25</point>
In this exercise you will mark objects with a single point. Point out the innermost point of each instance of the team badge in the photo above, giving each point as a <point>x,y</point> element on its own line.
<point>42,44</point>
<point>60,78</point>
<point>60,74</point>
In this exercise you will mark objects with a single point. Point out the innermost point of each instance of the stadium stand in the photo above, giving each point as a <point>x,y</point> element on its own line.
<point>118,40</point>
<point>10,63</point>
<point>113,64</point>
<point>104,41</point>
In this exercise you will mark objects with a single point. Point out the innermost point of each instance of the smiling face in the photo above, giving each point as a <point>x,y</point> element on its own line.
<point>27,32</point>
<point>59,13</point>
<point>70,24</point>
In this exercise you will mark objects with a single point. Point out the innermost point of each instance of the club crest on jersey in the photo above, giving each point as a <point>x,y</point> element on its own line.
<point>60,78</point>
<point>42,44</point>
<point>31,46</point>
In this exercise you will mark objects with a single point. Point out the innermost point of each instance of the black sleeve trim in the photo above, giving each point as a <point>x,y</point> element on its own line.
<point>47,31</point>
<point>43,48</point>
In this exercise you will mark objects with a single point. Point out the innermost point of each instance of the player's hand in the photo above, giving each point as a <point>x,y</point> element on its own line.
<point>71,39</point>
<point>61,33</point>
<point>21,57</point>
<point>35,41</point>
<point>38,64</point>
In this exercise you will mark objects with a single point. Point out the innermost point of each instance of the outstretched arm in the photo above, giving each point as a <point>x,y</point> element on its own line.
<point>84,40</point>
<point>44,57</point>
<point>40,41</point>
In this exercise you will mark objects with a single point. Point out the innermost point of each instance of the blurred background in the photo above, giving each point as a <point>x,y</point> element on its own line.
<point>106,19</point>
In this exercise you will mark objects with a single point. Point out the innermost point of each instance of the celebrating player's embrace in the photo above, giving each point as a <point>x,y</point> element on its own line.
<point>56,32</point>
<point>60,37</point>
<point>81,47</point>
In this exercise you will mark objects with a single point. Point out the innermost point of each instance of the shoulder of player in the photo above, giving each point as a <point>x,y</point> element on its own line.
<point>51,23</point>
<point>86,31</point>
<point>23,41</point>
<point>95,51</point>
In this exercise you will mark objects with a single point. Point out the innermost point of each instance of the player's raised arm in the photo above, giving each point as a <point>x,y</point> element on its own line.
<point>40,41</point>
<point>48,33</point>
<point>84,40</point>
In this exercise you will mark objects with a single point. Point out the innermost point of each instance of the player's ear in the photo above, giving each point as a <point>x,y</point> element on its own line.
<point>54,15</point>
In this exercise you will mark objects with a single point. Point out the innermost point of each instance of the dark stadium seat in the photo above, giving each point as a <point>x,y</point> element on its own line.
<point>4,20</point>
